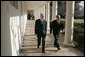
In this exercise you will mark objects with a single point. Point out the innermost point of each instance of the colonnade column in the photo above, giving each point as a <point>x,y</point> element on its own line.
<point>69,23</point>
<point>54,9</point>
<point>48,16</point>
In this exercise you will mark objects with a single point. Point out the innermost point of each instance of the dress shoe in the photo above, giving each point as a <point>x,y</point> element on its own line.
<point>55,46</point>
<point>37,46</point>
<point>43,51</point>
<point>58,48</point>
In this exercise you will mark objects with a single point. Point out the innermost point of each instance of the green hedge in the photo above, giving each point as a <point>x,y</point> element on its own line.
<point>78,35</point>
<point>79,25</point>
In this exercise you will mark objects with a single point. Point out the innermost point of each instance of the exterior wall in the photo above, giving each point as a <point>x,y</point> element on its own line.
<point>13,24</point>
<point>14,29</point>
<point>6,49</point>
<point>23,23</point>
<point>23,18</point>
<point>17,26</point>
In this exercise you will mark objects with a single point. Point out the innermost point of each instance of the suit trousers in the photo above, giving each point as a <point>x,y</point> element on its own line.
<point>56,44</point>
<point>39,37</point>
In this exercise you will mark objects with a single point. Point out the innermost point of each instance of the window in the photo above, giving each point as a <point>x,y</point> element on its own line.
<point>14,3</point>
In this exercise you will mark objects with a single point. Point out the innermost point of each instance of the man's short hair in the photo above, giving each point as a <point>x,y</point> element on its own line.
<point>58,16</point>
<point>41,15</point>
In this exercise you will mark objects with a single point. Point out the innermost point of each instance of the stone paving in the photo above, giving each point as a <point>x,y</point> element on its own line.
<point>29,46</point>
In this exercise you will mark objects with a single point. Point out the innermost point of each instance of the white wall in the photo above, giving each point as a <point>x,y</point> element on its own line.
<point>17,22</point>
<point>23,23</point>
<point>24,18</point>
<point>6,49</point>
<point>14,29</point>
<point>13,24</point>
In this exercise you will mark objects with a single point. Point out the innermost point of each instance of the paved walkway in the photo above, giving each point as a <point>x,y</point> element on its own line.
<point>29,47</point>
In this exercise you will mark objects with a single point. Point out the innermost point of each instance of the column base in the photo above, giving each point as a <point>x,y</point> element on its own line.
<point>67,44</point>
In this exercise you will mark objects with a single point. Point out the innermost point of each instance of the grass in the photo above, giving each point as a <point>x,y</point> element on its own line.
<point>77,20</point>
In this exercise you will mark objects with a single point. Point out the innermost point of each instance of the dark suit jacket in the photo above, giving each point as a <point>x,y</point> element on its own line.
<point>62,25</point>
<point>40,27</point>
<point>56,27</point>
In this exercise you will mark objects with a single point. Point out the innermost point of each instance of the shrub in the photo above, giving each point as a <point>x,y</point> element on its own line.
<point>79,35</point>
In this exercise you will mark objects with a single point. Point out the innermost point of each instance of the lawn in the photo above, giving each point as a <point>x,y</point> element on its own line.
<point>77,20</point>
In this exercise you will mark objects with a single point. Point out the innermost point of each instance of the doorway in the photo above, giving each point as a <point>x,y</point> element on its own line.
<point>30,15</point>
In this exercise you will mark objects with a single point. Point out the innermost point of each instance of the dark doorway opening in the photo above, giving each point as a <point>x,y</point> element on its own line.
<point>30,15</point>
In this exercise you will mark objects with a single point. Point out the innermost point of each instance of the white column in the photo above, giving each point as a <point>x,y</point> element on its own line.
<point>44,11</point>
<point>69,23</point>
<point>56,7</point>
<point>38,13</point>
<point>53,9</point>
<point>41,9</point>
<point>35,14</point>
<point>48,15</point>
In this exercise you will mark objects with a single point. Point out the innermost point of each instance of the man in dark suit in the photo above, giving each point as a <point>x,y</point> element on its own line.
<point>56,30</point>
<point>40,30</point>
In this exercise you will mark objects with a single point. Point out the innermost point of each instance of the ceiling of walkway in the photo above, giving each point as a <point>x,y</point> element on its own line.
<point>35,4</point>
